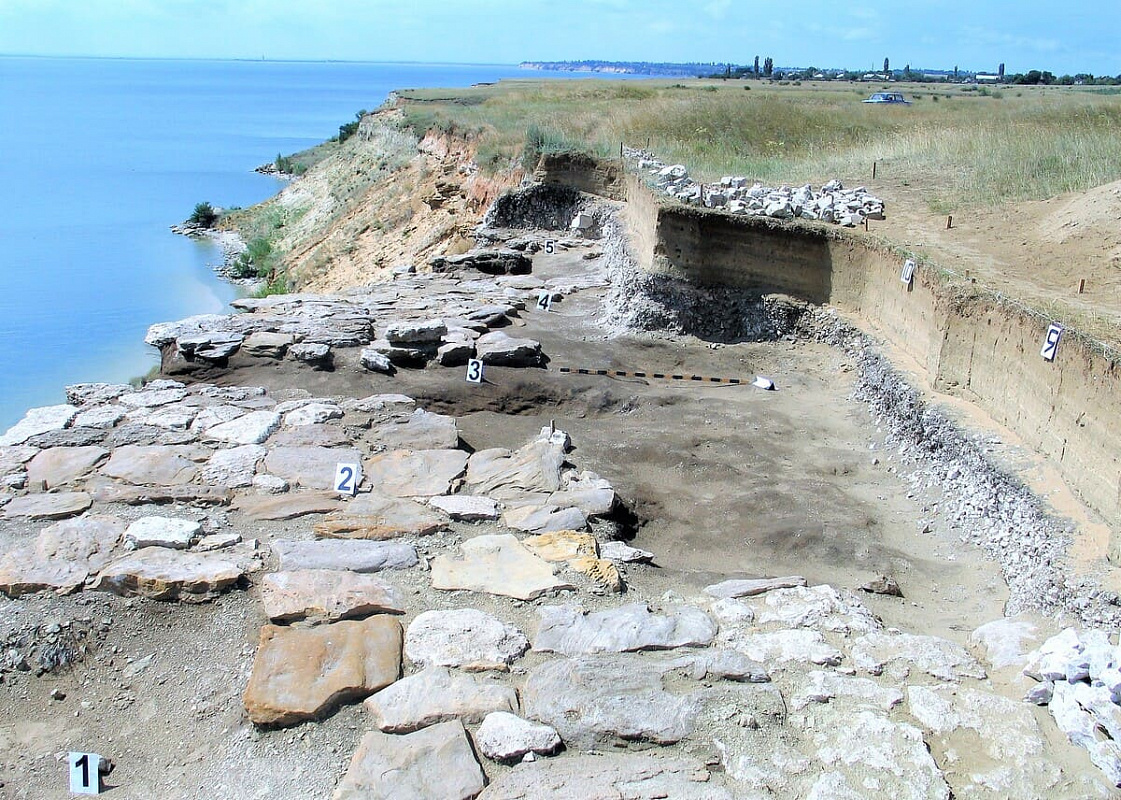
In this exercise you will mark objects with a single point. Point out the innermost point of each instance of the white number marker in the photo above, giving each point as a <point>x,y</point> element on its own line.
<point>545,301</point>
<point>550,247</point>
<point>474,371</point>
<point>908,272</point>
<point>85,774</point>
<point>347,478</point>
<point>1051,343</point>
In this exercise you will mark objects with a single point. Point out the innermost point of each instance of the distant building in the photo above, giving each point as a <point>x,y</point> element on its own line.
<point>982,78</point>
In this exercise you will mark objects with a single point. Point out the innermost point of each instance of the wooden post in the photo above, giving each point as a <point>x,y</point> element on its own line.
<point>949,221</point>
<point>873,170</point>
<point>866,223</point>
<point>1081,285</point>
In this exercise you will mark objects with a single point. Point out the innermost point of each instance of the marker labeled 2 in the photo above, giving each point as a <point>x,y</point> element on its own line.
<point>347,478</point>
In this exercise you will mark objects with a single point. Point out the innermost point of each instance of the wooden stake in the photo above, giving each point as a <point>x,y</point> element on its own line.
<point>1081,285</point>
<point>873,170</point>
<point>949,221</point>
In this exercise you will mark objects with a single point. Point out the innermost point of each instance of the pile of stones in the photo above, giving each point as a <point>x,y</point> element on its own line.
<point>444,317</point>
<point>1080,682</point>
<point>737,195</point>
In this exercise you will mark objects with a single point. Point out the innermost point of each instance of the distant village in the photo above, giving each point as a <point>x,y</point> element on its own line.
<point>764,69</point>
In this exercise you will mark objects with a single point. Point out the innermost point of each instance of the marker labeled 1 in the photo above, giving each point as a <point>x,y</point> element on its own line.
<point>85,773</point>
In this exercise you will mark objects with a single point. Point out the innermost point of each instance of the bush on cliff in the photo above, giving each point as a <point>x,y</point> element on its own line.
<point>204,215</point>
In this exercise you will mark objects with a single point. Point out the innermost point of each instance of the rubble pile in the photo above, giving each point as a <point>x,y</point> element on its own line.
<point>737,195</point>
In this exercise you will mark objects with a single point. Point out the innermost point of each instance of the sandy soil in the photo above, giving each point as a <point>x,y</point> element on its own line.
<point>1036,251</point>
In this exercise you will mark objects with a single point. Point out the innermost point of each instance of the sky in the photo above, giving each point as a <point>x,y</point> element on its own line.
<point>932,34</point>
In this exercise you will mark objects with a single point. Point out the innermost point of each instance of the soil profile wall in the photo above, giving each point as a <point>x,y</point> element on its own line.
<point>975,346</point>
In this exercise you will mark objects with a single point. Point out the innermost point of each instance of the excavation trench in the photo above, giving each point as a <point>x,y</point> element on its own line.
<point>727,280</point>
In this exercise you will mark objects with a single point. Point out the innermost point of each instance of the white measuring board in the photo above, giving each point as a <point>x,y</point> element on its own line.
<point>908,273</point>
<point>1051,342</point>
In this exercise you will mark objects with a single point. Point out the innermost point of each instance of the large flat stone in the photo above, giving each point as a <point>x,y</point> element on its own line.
<point>146,495</point>
<point>544,519</point>
<point>466,508</point>
<point>312,467</point>
<point>596,701</point>
<point>899,654</point>
<point>416,473</point>
<point>162,574</point>
<point>820,607</point>
<point>775,648</point>
<point>496,564</point>
<point>421,430</point>
<point>326,595</point>
<point>631,776</point>
<point>373,516</point>
<point>466,638</point>
<point>161,465</point>
<point>1008,751</point>
<point>155,531</point>
<point>1006,642</point>
<point>341,554</point>
<point>62,557</point>
<point>304,673</point>
<point>432,764</point>
<point>499,349</point>
<point>502,474</point>
<point>234,467</point>
<point>58,505</point>
<point>749,587</point>
<point>866,749</point>
<point>437,694</point>
<point>826,687</point>
<point>39,420</point>
<point>572,631</point>
<point>252,428</point>
<point>288,505</point>
<point>62,465</point>
<point>504,736</point>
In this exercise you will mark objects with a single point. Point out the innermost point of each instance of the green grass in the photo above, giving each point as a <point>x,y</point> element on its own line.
<point>985,147</point>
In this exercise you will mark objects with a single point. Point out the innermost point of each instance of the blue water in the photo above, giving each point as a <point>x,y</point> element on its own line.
<point>100,156</point>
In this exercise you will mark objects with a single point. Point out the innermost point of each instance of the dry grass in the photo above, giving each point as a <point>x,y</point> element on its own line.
<point>969,148</point>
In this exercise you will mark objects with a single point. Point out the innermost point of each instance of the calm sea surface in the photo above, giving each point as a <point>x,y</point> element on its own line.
<point>101,156</point>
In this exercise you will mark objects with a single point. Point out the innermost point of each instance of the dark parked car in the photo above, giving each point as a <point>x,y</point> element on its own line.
<point>887,97</point>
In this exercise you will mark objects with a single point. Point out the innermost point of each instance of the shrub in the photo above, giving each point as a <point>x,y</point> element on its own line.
<point>204,215</point>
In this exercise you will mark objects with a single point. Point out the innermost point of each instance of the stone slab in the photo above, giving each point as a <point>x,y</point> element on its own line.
<point>570,630</point>
<point>304,673</point>
<point>496,564</point>
<point>341,554</point>
<point>58,505</point>
<point>465,638</point>
<point>436,763</point>
<point>162,574</point>
<point>437,694</point>
<point>325,594</point>
<point>62,557</point>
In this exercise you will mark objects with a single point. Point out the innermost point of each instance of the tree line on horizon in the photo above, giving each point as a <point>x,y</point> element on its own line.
<point>765,69</point>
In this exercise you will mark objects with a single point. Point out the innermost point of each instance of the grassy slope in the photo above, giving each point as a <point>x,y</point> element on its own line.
<point>969,148</point>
